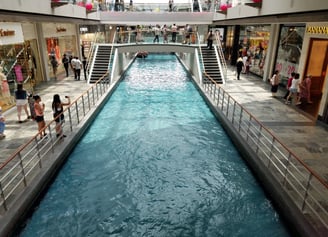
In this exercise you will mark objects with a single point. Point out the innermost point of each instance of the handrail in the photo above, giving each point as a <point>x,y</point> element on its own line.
<point>201,54</point>
<point>221,54</point>
<point>19,170</point>
<point>276,138</point>
<point>307,189</point>
<point>91,54</point>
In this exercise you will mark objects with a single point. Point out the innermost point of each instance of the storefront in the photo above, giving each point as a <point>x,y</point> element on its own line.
<point>19,60</point>
<point>289,50</point>
<point>90,34</point>
<point>60,39</point>
<point>253,43</point>
<point>314,62</point>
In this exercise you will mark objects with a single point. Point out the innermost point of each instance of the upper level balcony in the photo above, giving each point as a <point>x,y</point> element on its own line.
<point>151,12</point>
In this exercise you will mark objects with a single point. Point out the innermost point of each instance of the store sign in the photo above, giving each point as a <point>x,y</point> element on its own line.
<point>11,33</point>
<point>83,29</point>
<point>6,32</point>
<point>317,30</point>
<point>60,29</point>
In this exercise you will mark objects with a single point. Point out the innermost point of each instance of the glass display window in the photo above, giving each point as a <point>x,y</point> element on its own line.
<point>253,43</point>
<point>289,50</point>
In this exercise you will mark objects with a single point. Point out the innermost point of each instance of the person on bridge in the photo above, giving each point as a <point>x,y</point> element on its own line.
<point>174,30</point>
<point>157,32</point>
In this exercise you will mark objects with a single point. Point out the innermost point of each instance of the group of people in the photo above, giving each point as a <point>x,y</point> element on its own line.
<point>299,90</point>
<point>296,89</point>
<point>75,64</point>
<point>37,111</point>
<point>58,115</point>
<point>164,31</point>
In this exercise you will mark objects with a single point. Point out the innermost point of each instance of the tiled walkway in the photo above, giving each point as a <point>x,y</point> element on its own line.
<point>307,140</point>
<point>19,133</point>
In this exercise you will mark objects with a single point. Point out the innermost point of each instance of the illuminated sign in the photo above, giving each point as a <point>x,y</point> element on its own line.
<point>317,30</point>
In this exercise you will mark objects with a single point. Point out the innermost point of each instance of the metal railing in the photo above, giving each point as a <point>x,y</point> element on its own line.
<point>222,60</point>
<point>147,35</point>
<point>28,161</point>
<point>306,188</point>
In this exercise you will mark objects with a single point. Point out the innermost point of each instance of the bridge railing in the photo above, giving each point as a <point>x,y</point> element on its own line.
<point>147,35</point>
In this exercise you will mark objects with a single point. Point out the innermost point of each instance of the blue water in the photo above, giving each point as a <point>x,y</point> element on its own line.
<point>155,162</point>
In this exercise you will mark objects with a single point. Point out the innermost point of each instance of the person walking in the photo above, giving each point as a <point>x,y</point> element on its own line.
<point>289,84</point>
<point>170,5</point>
<point>84,62</point>
<point>39,110</point>
<point>239,66</point>
<point>210,40</point>
<point>275,80</point>
<point>21,102</point>
<point>305,90</point>
<point>54,65</point>
<point>65,62</point>
<point>77,66</point>
<point>57,108</point>
<point>293,89</point>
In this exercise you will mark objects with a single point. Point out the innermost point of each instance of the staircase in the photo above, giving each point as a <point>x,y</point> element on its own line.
<point>101,63</point>
<point>211,64</point>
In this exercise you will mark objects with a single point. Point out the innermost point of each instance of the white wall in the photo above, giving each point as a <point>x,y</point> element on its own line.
<point>18,36</point>
<point>36,6</point>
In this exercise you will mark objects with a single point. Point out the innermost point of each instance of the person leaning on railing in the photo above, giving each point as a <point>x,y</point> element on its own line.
<point>57,108</point>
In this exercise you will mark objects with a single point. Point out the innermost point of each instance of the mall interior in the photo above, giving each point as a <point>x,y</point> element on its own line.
<point>290,36</point>
<point>285,35</point>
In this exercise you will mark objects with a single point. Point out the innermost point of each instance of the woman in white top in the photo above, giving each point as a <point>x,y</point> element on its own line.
<point>293,90</point>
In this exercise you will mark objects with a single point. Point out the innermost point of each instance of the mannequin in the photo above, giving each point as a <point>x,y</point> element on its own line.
<point>4,87</point>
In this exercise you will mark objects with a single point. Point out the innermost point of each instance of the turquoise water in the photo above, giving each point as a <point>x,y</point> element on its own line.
<point>155,162</point>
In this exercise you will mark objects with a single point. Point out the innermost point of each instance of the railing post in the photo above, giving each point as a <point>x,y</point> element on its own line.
<point>222,100</point>
<point>22,168</point>
<point>70,118</point>
<point>227,113</point>
<point>258,140</point>
<point>286,170</point>
<point>83,107</point>
<point>3,198</point>
<point>240,117</point>
<point>38,151</point>
<point>77,112</point>
<point>97,90</point>
<point>219,93</point>
<point>89,106</point>
<point>93,95</point>
<point>271,149</point>
<point>233,112</point>
<point>248,127</point>
<point>306,191</point>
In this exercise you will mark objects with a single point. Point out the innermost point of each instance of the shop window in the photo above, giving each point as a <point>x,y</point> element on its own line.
<point>289,50</point>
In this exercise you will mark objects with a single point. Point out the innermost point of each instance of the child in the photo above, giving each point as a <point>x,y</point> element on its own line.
<point>2,125</point>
